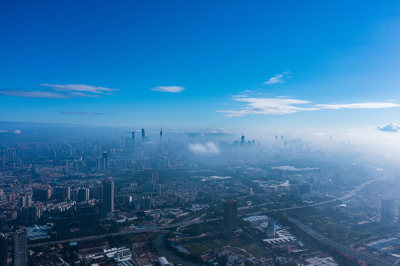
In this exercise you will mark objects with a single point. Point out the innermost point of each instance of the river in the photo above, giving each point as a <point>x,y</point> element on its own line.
<point>171,256</point>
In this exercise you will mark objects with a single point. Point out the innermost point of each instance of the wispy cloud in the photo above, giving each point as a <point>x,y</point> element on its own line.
<point>171,89</point>
<point>277,78</point>
<point>286,105</point>
<point>268,106</point>
<point>79,88</point>
<point>365,105</point>
<point>57,91</point>
<point>81,113</point>
<point>34,94</point>
<point>83,94</point>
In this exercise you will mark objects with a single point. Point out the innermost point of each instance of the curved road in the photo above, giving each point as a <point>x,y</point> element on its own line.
<point>344,197</point>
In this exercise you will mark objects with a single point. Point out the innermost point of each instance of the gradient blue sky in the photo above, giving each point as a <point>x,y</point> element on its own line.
<point>224,53</point>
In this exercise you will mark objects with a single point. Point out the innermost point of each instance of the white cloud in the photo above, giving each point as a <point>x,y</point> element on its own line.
<point>365,105</point>
<point>319,134</point>
<point>2,131</point>
<point>285,105</point>
<point>17,131</point>
<point>277,78</point>
<point>268,106</point>
<point>172,89</point>
<point>208,148</point>
<point>390,128</point>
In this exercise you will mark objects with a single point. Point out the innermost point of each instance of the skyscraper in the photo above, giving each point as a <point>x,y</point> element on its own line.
<point>20,248</point>
<point>108,195</point>
<point>29,215</point>
<point>102,162</point>
<point>133,138</point>
<point>143,135</point>
<point>104,156</point>
<point>83,194</point>
<point>3,249</point>
<point>388,211</point>
<point>41,194</point>
<point>230,217</point>
<point>145,203</point>
<point>22,202</point>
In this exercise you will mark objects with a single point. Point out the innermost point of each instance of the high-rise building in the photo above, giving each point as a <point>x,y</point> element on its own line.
<point>96,192</point>
<point>20,248</point>
<point>28,200</point>
<point>29,215</point>
<point>271,229</point>
<point>149,187</point>
<point>102,162</point>
<point>108,195</point>
<point>230,217</point>
<point>145,203</point>
<point>3,249</point>
<point>143,135</point>
<point>388,207</point>
<point>133,137</point>
<point>62,193</point>
<point>22,202</point>
<point>242,140</point>
<point>161,134</point>
<point>83,194</point>
<point>41,194</point>
<point>158,189</point>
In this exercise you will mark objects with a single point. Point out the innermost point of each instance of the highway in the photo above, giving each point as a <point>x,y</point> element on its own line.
<point>344,197</point>
<point>125,232</point>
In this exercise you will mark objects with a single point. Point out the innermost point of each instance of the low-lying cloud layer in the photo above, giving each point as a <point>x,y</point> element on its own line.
<point>285,105</point>
<point>208,148</point>
<point>57,91</point>
<point>16,131</point>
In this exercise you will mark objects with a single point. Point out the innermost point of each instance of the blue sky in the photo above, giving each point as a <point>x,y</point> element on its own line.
<point>273,64</point>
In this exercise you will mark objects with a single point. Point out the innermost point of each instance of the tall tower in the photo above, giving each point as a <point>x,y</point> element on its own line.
<point>161,134</point>
<point>133,137</point>
<point>242,140</point>
<point>108,195</point>
<point>230,217</point>
<point>20,248</point>
<point>143,135</point>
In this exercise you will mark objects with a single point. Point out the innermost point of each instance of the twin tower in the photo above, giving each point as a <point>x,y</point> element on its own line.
<point>144,138</point>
